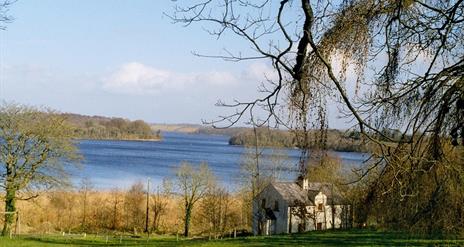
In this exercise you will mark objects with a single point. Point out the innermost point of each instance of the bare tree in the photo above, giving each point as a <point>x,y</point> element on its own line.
<point>258,168</point>
<point>4,16</point>
<point>193,184</point>
<point>214,211</point>
<point>85,190</point>
<point>34,146</point>
<point>116,200</point>
<point>160,203</point>
<point>304,214</point>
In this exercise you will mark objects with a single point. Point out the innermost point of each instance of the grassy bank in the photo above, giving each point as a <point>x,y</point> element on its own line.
<point>328,238</point>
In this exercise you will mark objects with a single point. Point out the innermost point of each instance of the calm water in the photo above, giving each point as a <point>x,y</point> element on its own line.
<point>111,164</point>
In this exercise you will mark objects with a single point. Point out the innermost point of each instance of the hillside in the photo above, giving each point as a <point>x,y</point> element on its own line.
<point>197,129</point>
<point>183,128</point>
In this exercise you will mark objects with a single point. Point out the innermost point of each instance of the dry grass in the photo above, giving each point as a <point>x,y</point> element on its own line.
<point>109,211</point>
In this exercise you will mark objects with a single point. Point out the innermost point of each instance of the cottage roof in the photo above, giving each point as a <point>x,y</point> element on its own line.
<point>292,193</point>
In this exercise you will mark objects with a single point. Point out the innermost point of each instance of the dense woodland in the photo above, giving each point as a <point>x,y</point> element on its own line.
<point>97,127</point>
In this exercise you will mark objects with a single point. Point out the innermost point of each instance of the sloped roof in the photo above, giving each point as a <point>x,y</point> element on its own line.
<point>292,193</point>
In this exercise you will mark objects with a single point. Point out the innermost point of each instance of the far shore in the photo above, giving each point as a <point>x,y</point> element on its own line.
<point>122,139</point>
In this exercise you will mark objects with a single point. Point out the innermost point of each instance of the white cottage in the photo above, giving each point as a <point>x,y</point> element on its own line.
<point>289,207</point>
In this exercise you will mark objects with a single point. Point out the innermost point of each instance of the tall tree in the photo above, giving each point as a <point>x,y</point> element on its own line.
<point>215,211</point>
<point>406,58</point>
<point>34,147</point>
<point>193,184</point>
<point>258,168</point>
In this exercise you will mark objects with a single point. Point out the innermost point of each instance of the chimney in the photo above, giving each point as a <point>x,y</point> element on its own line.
<point>305,185</point>
<point>303,182</point>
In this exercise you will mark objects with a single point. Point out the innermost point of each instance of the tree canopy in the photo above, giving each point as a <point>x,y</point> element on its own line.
<point>34,147</point>
<point>97,127</point>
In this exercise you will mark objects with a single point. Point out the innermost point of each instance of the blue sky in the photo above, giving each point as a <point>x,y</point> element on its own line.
<point>119,58</point>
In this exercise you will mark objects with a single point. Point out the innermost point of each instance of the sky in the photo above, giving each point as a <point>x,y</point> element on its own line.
<point>119,59</point>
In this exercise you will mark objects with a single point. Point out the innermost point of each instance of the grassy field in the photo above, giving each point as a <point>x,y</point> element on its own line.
<point>328,238</point>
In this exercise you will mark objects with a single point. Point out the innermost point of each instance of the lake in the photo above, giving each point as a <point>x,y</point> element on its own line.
<point>118,164</point>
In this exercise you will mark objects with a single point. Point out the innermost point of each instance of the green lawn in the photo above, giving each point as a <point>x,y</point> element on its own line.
<point>328,238</point>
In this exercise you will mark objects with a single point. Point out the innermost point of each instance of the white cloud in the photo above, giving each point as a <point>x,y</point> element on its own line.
<point>137,78</point>
<point>259,72</point>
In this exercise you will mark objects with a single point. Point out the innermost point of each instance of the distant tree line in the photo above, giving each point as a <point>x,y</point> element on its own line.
<point>336,140</point>
<point>96,127</point>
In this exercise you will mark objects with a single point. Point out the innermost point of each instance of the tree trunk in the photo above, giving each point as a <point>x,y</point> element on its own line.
<point>188,212</point>
<point>10,209</point>
<point>84,227</point>
<point>155,219</point>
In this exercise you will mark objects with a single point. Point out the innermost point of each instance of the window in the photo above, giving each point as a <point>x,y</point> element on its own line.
<point>319,206</point>
<point>276,206</point>
<point>263,203</point>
